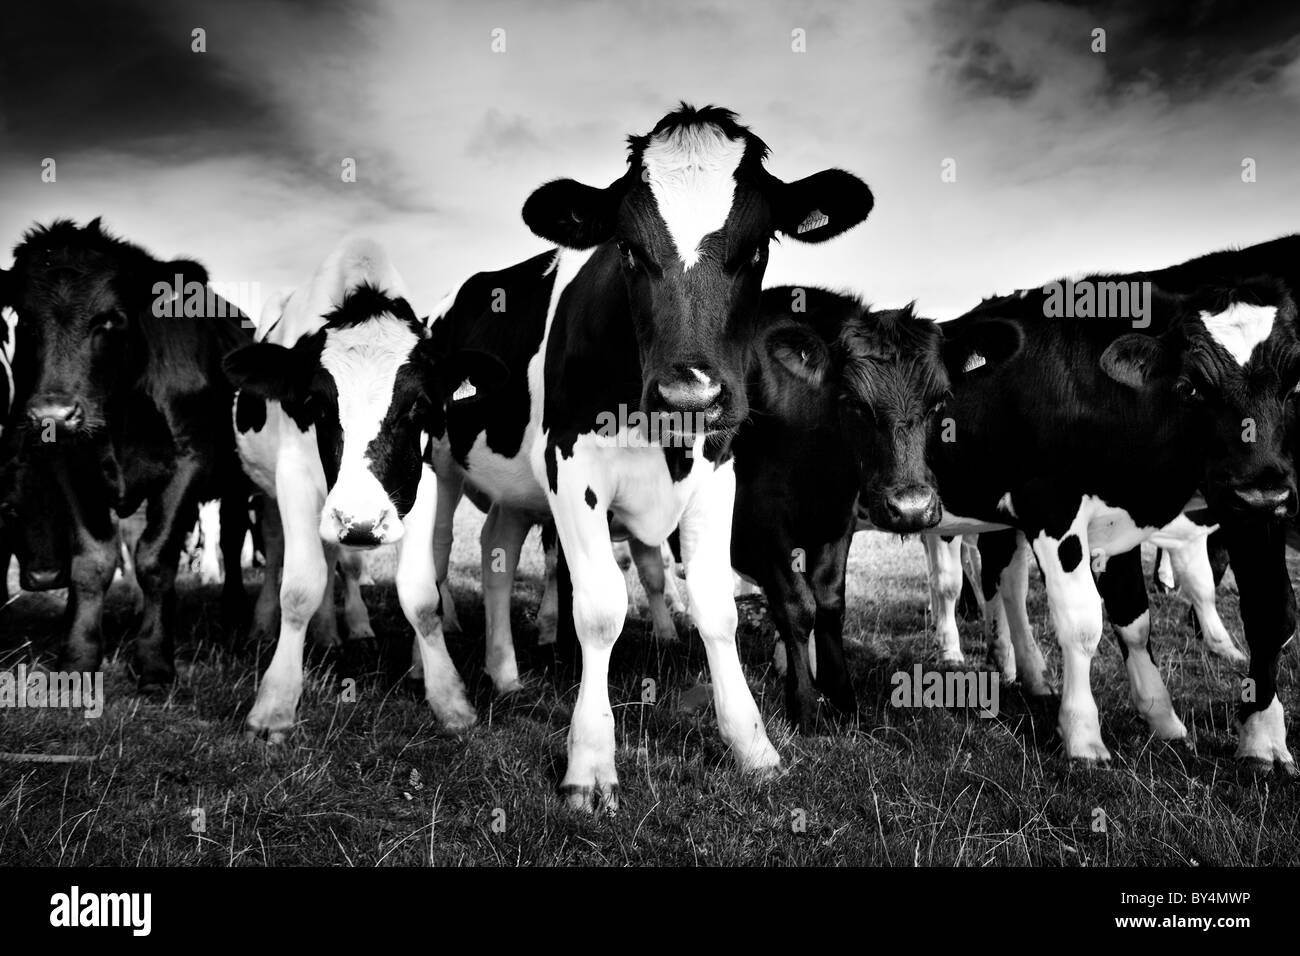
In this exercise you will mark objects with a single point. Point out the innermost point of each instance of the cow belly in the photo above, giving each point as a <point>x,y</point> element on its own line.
<point>507,481</point>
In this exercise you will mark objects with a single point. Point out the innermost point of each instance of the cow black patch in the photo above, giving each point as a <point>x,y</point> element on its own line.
<point>591,498</point>
<point>1070,552</point>
<point>250,412</point>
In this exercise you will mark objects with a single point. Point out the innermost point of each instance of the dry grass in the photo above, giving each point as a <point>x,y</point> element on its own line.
<point>374,783</point>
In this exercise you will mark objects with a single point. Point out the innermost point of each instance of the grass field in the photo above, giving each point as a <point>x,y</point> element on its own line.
<point>172,781</point>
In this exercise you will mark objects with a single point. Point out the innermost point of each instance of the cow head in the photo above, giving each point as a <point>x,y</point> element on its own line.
<point>689,225</point>
<point>79,294</point>
<point>366,382</point>
<point>1228,363</point>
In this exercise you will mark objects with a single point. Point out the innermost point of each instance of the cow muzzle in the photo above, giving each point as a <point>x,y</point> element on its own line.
<point>360,531</point>
<point>909,509</point>
<point>1274,501</point>
<point>64,414</point>
<point>42,579</point>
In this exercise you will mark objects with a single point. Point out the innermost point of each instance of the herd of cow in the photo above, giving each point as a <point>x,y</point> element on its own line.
<point>788,418</point>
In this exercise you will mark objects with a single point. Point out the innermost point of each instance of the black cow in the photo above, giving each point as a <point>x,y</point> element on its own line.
<point>842,400</point>
<point>119,374</point>
<point>1095,436</point>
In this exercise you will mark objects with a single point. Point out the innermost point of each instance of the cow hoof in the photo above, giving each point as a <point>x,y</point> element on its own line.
<point>457,720</point>
<point>1167,728</point>
<point>1228,653</point>
<point>509,687</point>
<point>156,679</point>
<point>952,658</point>
<point>596,799</point>
<point>1088,756</point>
<point>266,735</point>
<point>361,632</point>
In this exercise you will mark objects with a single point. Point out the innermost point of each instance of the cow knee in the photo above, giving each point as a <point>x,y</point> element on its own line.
<point>600,606</point>
<point>713,607</point>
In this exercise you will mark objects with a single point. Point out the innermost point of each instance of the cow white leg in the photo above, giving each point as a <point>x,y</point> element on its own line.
<point>1076,614</point>
<point>672,594</point>
<point>944,559</point>
<point>417,592</point>
<point>449,492</point>
<point>1146,687</point>
<point>502,538</point>
<point>266,612</point>
<point>650,563</point>
<point>1013,587</point>
<point>301,591</point>
<point>599,610</point>
<point>1195,578</point>
<point>706,550</point>
<point>1261,738</point>
<point>548,612</point>
<point>355,615</point>
<point>623,555</point>
<point>210,571</point>
<point>997,634</point>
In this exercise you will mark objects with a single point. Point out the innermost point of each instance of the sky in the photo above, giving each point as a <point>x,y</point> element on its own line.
<point>1066,160</point>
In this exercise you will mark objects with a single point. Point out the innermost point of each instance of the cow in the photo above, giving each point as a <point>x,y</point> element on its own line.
<point>643,317</point>
<point>118,371</point>
<point>330,413</point>
<point>1197,573</point>
<point>1095,436</point>
<point>842,401</point>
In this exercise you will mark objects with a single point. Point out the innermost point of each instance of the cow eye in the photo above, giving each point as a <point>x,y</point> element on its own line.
<point>629,256</point>
<point>937,407</point>
<point>1186,391</point>
<point>757,257</point>
<point>109,320</point>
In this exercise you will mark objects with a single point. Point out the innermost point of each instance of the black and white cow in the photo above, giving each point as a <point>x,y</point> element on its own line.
<point>842,403</point>
<point>125,405</point>
<point>1003,568</point>
<point>648,309</point>
<point>331,410</point>
<point>1094,437</point>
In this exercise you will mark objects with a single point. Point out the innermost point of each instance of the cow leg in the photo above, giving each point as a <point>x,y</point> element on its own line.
<point>1195,577</point>
<point>303,579</point>
<point>233,531</point>
<point>266,612</point>
<point>355,615</point>
<point>170,514</point>
<point>623,555</point>
<point>1268,612</point>
<point>1076,614</point>
<point>210,525</point>
<point>705,529</point>
<point>548,612</point>
<point>324,623</point>
<point>1123,590</point>
<point>944,558</point>
<point>417,592</point>
<point>599,611</point>
<point>650,563</point>
<point>793,608</point>
<point>831,670</point>
<point>94,562</point>
<point>450,488</point>
<point>1005,569</point>
<point>501,540</point>
<point>672,594</point>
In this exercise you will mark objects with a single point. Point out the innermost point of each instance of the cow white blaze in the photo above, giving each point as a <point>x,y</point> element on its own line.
<point>691,172</point>
<point>1240,327</point>
<point>364,361</point>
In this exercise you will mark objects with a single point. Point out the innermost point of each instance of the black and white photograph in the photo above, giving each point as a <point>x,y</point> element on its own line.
<point>588,434</point>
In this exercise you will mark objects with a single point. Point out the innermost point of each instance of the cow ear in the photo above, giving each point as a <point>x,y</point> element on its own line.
<point>1136,359</point>
<point>572,214</point>
<point>820,206</point>
<point>270,371</point>
<point>988,342</point>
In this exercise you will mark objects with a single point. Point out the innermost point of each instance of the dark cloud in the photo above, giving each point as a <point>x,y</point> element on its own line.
<point>1182,49</point>
<point>78,74</point>
<point>499,136</point>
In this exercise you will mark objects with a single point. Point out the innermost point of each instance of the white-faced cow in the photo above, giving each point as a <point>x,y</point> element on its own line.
<point>1094,437</point>
<point>330,415</point>
<point>646,314</point>
<point>124,405</point>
